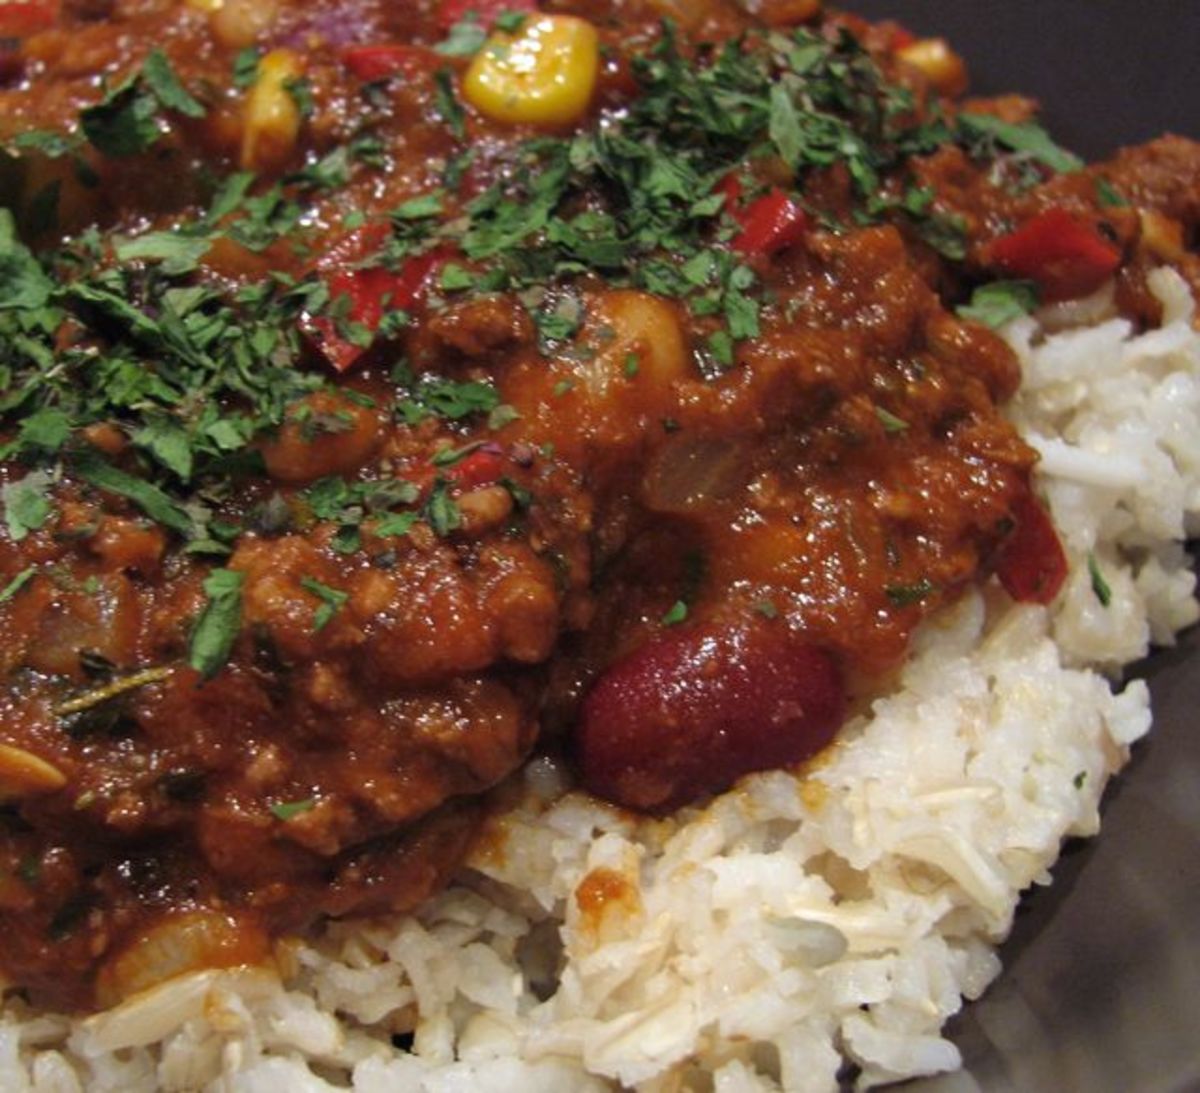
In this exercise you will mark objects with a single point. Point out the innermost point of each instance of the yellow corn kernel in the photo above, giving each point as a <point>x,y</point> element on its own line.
<point>944,68</point>
<point>543,75</point>
<point>271,117</point>
<point>206,6</point>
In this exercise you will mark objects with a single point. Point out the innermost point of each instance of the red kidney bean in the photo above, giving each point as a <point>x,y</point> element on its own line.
<point>693,710</point>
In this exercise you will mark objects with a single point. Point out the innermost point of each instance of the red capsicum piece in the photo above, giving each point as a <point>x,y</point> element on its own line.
<point>20,18</point>
<point>370,291</point>
<point>450,12</point>
<point>483,467</point>
<point>380,62</point>
<point>769,224</point>
<point>1065,254</point>
<point>772,223</point>
<point>1032,565</point>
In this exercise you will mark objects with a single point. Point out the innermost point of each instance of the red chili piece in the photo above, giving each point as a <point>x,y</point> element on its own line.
<point>1032,565</point>
<point>694,710</point>
<point>450,12</point>
<point>1065,254</point>
<point>20,18</point>
<point>379,62</point>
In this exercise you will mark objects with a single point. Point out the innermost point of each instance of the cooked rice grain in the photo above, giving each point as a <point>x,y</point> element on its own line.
<point>795,921</point>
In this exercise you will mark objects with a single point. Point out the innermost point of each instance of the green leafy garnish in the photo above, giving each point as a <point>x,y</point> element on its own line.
<point>219,623</point>
<point>999,302</point>
<point>289,810</point>
<point>26,505</point>
<point>1027,138</point>
<point>1101,587</point>
<point>332,601</point>
<point>677,614</point>
<point>17,583</point>
<point>466,38</point>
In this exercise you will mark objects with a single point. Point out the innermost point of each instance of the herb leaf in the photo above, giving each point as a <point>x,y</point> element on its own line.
<point>1028,138</point>
<point>219,622</point>
<point>1000,302</point>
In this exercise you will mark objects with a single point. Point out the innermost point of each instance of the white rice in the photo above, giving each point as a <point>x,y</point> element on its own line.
<point>798,921</point>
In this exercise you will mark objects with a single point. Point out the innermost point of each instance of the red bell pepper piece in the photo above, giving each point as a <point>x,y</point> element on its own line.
<point>769,224</point>
<point>1065,254</point>
<point>379,62</point>
<point>483,467</point>
<point>450,12</point>
<point>370,291</point>
<point>1032,565</point>
<point>772,223</point>
<point>20,18</point>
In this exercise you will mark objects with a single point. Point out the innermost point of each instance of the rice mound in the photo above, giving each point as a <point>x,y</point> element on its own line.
<point>800,920</point>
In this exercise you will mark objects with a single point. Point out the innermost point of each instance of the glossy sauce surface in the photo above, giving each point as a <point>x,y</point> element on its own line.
<point>458,531</point>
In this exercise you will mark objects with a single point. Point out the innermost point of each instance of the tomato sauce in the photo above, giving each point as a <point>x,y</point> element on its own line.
<point>365,482</point>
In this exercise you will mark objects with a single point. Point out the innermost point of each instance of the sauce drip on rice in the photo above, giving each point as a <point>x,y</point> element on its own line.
<point>391,390</point>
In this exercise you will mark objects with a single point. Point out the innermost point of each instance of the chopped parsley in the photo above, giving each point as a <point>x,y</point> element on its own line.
<point>289,810</point>
<point>128,120</point>
<point>983,132</point>
<point>677,614</point>
<point>1000,302</point>
<point>1100,586</point>
<point>332,601</point>
<point>17,583</point>
<point>217,628</point>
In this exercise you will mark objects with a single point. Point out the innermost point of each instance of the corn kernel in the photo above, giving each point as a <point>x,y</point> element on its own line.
<point>943,67</point>
<point>271,117</point>
<point>543,75</point>
<point>206,6</point>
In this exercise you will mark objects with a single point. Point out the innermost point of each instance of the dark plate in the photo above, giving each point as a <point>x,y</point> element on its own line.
<point>1101,988</point>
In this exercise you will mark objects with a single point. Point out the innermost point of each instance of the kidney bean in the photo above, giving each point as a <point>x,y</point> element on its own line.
<point>693,710</point>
